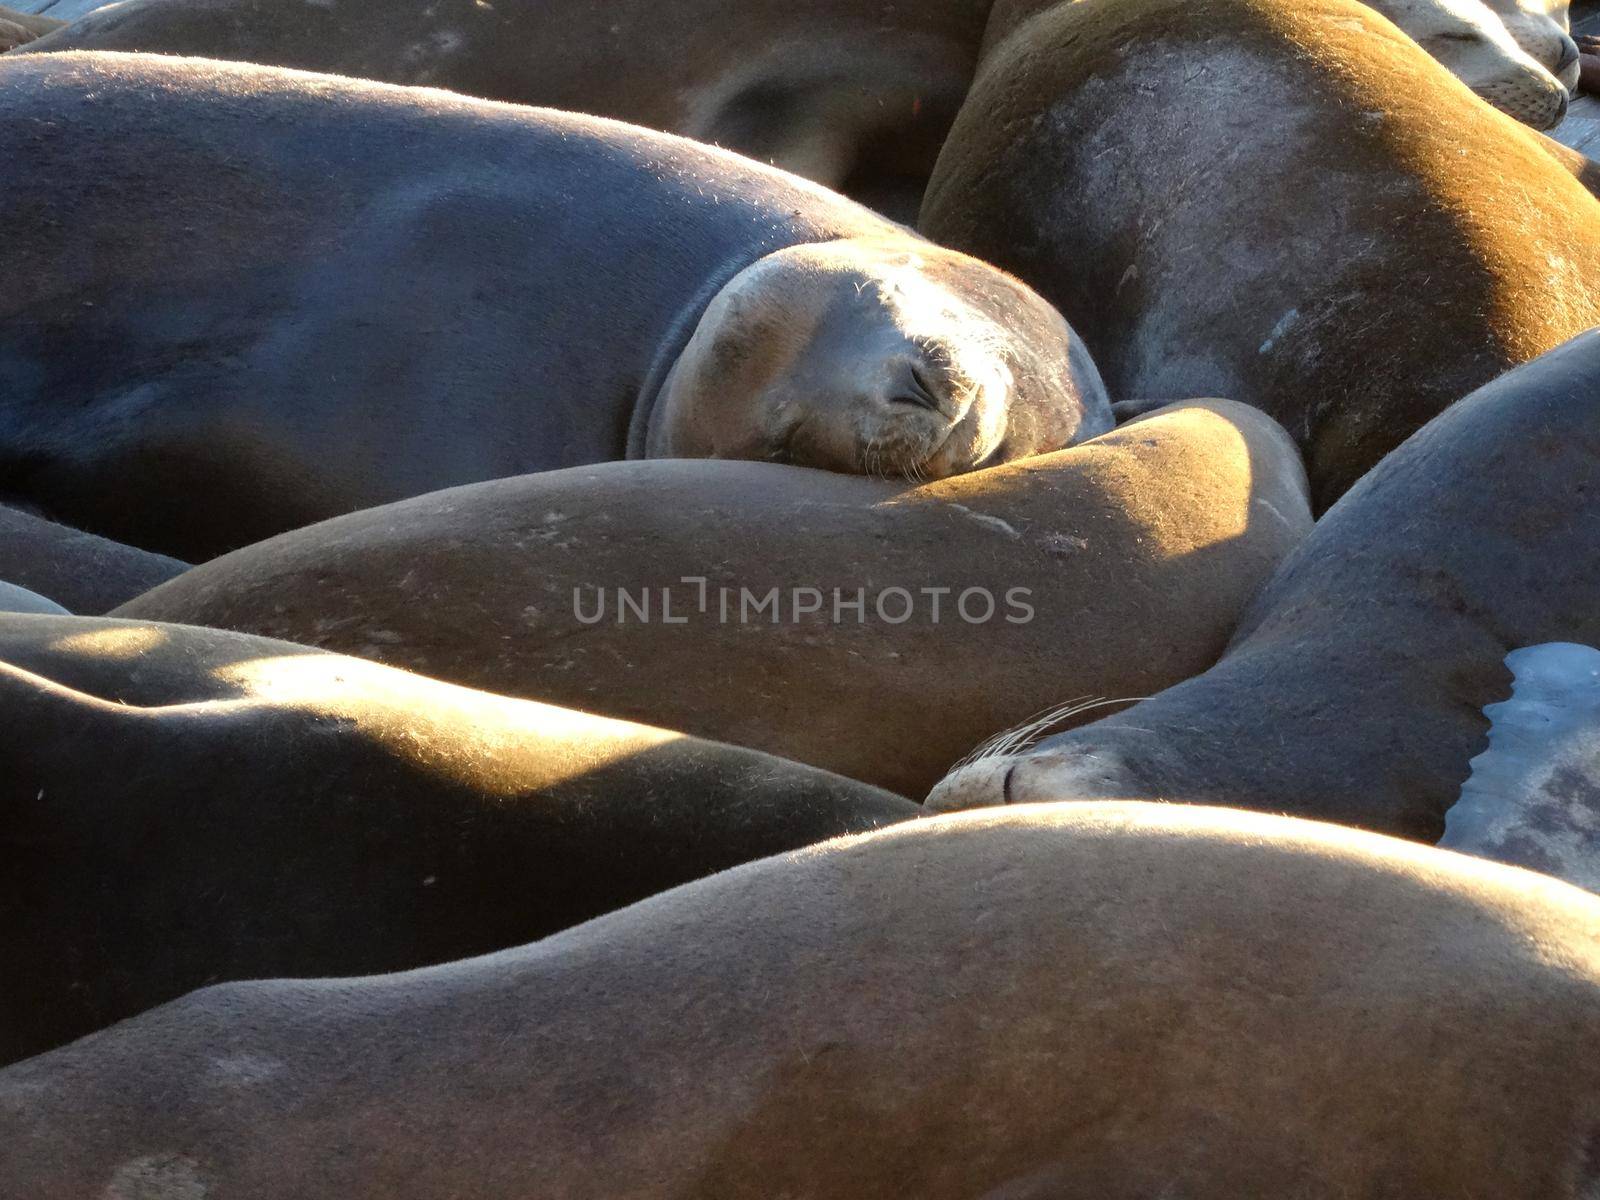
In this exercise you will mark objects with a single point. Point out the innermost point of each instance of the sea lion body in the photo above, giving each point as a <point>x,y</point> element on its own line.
<point>1355,685</point>
<point>1527,78</point>
<point>1579,165</point>
<point>63,11</point>
<point>22,29</point>
<point>380,292</point>
<point>1288,204</point>
<point>824,617</point>
<point>83,573</point>
<point>855,94</point>
<point>1116,1001</point>
<point>14,599</point>
<point>184,806</point>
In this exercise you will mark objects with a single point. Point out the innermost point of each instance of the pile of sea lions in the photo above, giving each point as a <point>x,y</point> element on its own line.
<point>522,522</point>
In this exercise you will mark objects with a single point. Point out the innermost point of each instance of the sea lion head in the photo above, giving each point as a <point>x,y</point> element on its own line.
<point>1545,39</point>
<point>1098,761</point>
<point>886,357</point>
<point>1476,46</point>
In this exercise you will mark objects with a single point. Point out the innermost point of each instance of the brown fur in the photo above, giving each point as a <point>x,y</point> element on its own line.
<point>1287,203</point>
<point>1140,549</point>
<point>1581,167</point>
<point>856,94</point>
<point>1355,686</point>
<point>483,290</point>
<point>21,29</point>
<point>181,806</point>
<point>83,573</point>
<point>1111,1001</point>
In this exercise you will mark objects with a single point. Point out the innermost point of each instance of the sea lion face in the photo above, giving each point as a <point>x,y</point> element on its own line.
<point>1476,46</point>
<point>1543,37</point>
<point>1070,772</point>
<point>887,358</point>
<point>1103,760</point>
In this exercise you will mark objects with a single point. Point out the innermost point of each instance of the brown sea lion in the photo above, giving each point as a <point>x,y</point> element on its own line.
<point>1589,63</point>
<point>1281,201</point>
<point>1066,1001</point>
<point>83,573</point>
<point>1582,168</point>
<point>62,12</point>
<point>21,28</point>
<point>182,806</point>
<point>383,291</point>
<point>14,599</point>
<point>1355,686</point>
<point>856,94</point>
<point>1543,28</point>
<point>1527,78</point>
<point>874,628</point>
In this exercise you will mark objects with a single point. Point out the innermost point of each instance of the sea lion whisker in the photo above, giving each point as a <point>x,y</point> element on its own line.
<point>1029,733</point>
<point>990,747</point>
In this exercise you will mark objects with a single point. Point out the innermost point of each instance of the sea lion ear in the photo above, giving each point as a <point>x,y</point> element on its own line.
<point>1533,798</point>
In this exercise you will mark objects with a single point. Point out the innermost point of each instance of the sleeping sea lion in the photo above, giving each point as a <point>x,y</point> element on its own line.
<point>872,627</point>
<point>1116,1001</point>
<point>1285,202</point>
<point>182,806</point>
<point>289,296</point>
<point>1354,687</point>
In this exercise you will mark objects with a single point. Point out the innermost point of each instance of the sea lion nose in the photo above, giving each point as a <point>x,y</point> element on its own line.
<point>982,784</point>
<point>1562,101</point>
<point>911,383</point>
<point>1569,55</point>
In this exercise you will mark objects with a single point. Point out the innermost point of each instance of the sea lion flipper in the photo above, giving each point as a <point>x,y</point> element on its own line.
<point>1533,798</point>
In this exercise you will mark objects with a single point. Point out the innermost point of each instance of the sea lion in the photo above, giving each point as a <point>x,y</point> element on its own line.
<point>855,94</point>
<point>1522,63</point>
<point>21,28</point>
<point>1543,29</point>
<point>1467,37</point>
<point>14,599</point>
<point>184,806</point>
<point>1354,688</point>
<point>1117,1001</point>
<point>1285,202</point>
<point>84,573</point>
<point>383,291</point>
<point>13,33</point>
<point>60,11</point>
<point>875,628</point>
<point>1579,165</point>
<point>1533,799</point>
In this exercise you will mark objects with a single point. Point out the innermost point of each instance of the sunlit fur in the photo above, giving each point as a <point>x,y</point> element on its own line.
<point>877,357</point>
